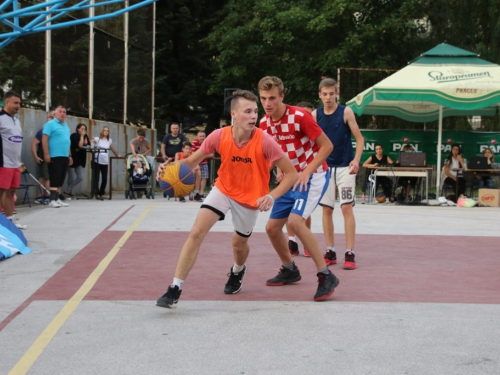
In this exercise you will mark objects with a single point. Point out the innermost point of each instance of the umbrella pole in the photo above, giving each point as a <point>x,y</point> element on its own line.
<point>440,140</point>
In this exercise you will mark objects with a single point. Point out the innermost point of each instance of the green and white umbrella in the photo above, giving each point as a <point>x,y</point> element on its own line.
<point>444,81</point>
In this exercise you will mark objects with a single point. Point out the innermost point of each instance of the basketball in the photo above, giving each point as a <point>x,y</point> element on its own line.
<point>381,197</point>
<point>177,180</point>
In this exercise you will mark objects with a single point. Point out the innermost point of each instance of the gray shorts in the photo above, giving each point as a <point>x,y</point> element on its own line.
<point>44,170</point>
<point>244,218</point>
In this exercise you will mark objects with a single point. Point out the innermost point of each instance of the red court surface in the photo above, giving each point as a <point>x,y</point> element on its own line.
<point>398,268</point>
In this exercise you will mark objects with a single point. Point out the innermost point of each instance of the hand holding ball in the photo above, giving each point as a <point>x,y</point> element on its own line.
<point>176,180</point>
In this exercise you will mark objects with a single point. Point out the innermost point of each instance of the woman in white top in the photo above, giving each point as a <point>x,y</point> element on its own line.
<point>454,161</point>
<point>103,142</point>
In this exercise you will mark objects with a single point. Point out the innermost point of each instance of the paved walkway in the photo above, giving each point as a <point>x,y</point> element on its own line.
<point>424,298</point>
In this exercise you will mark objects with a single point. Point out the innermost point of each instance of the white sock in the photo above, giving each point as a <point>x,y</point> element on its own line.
<point>332,248</point>
<point>11,218</point>
<point>178,282</point>
<point>351,250</point>
<point>237,269</point>
<point>292,238</point>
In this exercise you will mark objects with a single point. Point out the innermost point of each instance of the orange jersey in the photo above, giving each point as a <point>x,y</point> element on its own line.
<point>244,173</point>
<point>181,155</point>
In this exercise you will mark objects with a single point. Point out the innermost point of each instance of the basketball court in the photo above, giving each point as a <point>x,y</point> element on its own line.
<point>423,299</point>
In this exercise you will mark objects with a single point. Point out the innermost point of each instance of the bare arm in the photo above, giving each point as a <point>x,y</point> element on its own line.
<point>148,150</point>
<point>163,155</point>
<point>132,149</point>
<point>34,144</point>
<point>326,148</point>
<point>368,163</point>
<point>45,145</point>
<point>360,142</point>
<point>114,150</point>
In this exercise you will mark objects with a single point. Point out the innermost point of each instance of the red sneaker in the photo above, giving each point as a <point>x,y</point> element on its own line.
<point>293,247</point>
<point>306,253</point>
<point>330,257</point>
<point>349,263</point>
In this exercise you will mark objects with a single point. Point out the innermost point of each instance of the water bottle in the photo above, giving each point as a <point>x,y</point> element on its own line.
<point>465,164</point>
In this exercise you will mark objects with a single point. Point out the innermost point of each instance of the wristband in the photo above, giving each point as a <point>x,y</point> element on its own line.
<point>270,196</point>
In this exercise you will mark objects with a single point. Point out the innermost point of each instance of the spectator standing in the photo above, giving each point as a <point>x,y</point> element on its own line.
<point>140,145</point>
<point>79,144</point>
<point>37,152</point>
<point>57,154</point>
<point>339,124</point>
<point>11,142</point>
<point>103,142</point>
<point>172,143</point>
<point>199,191</point>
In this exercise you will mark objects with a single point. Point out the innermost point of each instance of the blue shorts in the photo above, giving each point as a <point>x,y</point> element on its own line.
<point>303,202</point>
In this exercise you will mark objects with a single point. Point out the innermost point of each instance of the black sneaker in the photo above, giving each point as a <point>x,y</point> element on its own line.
<point>62,197</point>
<point>182,199</point>
<point>350,262</point>
<point>326,285</point>
<point>235,282</point>
<point>330,257</point>
<point>68,194</point>
<point>293,247</point>
<point>198,197</point>
<point>39,200</point>
<point>285,276</point>
<point>170,299</point>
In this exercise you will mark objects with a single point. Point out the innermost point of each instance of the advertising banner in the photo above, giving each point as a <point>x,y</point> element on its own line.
<point>472,143</point>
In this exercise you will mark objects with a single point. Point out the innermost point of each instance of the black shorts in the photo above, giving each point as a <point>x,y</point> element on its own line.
<point>58,167</point>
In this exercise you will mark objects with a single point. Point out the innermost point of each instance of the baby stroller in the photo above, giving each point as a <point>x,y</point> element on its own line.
<point>139,177</point>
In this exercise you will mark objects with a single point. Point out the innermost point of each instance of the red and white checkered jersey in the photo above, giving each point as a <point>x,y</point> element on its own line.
<point>295,132</point>
<point>195,146</point>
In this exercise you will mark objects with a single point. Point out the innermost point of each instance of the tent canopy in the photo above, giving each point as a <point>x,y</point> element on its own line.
<point>458,80</point>
<point>444,81</point>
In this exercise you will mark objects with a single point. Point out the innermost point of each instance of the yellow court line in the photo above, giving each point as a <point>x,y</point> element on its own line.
<point>29,358</point>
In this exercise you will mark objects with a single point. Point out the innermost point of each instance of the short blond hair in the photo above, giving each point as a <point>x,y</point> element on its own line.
<point>268,82</point>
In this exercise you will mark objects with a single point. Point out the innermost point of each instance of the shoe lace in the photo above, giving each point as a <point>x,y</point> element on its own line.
<point>349,257</point>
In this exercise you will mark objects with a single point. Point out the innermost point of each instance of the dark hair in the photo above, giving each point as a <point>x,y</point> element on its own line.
<point>304,105</point>
<point>11,94</point>
<point>187,143</point>
<point>378,144</point>
<point>242,94</point>
<point>80,125</point>
<point>141,132</point>
<point>450,156</point>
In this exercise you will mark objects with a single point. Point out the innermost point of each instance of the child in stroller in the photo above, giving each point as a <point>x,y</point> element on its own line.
<point>139,177</point>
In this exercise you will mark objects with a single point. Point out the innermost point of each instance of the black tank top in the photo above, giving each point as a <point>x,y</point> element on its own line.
<point>382,161</point>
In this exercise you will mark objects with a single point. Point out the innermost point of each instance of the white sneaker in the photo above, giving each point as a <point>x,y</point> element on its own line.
<point>21,226</point>
<point>62,204</point>
<point>54,204</point>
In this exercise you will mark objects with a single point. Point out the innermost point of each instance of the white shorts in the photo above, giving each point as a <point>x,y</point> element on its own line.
<point>346,183</point>
<point>244,218</point>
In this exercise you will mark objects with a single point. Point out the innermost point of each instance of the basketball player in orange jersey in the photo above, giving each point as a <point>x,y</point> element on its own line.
<point>308,147</point>
<point>242,186</point>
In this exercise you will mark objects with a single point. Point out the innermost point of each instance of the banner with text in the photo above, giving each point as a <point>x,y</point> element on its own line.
<point>472,143</point>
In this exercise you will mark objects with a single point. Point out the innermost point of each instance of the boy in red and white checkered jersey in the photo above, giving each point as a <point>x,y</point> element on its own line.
<point>307,147</point>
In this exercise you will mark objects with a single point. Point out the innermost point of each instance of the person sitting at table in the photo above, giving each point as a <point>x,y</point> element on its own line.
<point>485,181</point>
<point>380,160</point>
<point>453,162</point>
<point>407,183</point>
